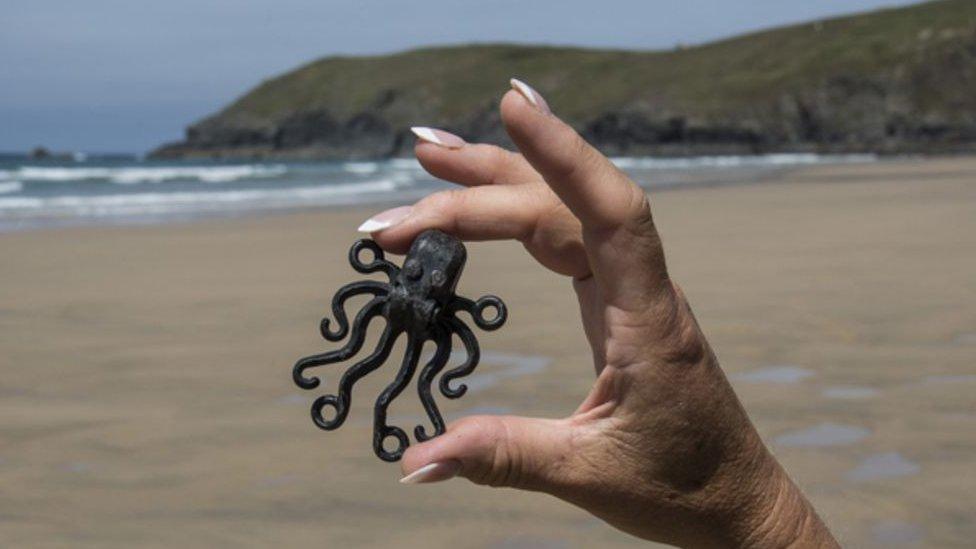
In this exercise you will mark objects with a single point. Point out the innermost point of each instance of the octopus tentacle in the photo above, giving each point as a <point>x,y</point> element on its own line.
<point>379,262</point>
<point>381,431</point>
<point>477,310</point>
<point>340,401</point>
<point>369,311</point>
<point>373,287</point>
<point>442,336</point>
<point>457,326</point>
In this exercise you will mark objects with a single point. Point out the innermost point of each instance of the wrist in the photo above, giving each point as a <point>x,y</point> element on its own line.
<point>775,514</point>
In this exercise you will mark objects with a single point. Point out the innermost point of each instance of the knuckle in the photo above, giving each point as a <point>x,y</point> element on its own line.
<point>581,155</point>
<point>441,200</point>
<point>640,220</point>
<point>501,164</point>
<point>445,207</point>
<point>499,462</point>
<point>683,342</point>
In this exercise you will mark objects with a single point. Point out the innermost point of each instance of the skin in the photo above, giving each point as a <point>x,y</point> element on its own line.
<point>661,448</point>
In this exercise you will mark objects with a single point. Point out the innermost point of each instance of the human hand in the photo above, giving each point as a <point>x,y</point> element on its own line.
<point>661,447</point>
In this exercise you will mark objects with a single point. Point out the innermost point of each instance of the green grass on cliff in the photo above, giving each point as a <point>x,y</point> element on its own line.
<point>442,84</point>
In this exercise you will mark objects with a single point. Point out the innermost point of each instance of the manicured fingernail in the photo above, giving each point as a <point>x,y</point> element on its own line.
<point>530,95</point>
<point>438,137</point>
<point>385,220</point>
<point>433,472</point>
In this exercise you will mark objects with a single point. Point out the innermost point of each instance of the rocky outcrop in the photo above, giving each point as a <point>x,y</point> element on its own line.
<point>887,82</point>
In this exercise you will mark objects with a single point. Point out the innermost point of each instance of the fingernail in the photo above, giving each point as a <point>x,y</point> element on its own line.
<point>385,220</point>
<point>438,137</point>
<point>530,95</point>
<point>433,472</point>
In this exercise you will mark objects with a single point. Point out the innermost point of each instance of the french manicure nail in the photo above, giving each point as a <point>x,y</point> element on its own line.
<point>438,137</point>
<point>385,220</point>
<point>433,472</point>
<point>530,95</point>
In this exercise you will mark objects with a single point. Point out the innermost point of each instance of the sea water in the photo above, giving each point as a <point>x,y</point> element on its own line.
<point>37,193</point>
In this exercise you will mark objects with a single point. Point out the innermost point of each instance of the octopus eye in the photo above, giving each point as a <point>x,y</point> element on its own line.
<point>437,278</point>
<point>413,269</point>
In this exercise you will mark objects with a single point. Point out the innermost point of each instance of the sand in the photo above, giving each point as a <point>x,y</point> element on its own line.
<point>146,395</point>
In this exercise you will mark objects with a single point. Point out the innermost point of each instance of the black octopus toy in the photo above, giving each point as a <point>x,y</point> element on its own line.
<point>418,301</point>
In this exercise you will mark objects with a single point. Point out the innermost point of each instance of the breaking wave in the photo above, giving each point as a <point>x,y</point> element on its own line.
<point>159,203</point>
<point>7,187</point>
<point>133,175</point>
<point>766,160</point>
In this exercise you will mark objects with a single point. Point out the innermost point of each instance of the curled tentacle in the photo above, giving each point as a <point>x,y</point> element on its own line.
<point>458,327</point>
<point>379,263</point>
<point>442,336</point>
<point>338,306</point>
<point>381,430</point>
<point>340,401</point>
<point>477,310</point>
<point>359,324</point>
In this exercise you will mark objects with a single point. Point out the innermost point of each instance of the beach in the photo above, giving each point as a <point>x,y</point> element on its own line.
<point>146,396</point>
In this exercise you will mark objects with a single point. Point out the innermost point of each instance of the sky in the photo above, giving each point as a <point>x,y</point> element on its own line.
<point>128,75</point>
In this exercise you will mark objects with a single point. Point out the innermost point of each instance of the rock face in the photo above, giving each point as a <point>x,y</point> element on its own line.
<point>893,81</point>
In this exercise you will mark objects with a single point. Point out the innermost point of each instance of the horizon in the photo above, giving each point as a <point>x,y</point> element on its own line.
<point>66,94</point>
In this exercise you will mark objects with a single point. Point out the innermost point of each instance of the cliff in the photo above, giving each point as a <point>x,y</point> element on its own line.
<point>899,80</point>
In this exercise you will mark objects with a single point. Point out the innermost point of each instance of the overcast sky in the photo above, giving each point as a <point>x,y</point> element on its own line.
<point>127,75</point>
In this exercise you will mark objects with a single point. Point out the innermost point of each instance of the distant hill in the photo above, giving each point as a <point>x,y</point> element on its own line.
<point>889,81</point>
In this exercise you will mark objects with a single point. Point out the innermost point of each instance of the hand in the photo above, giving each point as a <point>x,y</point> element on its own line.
<point>661,447</point>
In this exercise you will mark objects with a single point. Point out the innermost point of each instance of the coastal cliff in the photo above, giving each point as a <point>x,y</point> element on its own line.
<point>893,81</point>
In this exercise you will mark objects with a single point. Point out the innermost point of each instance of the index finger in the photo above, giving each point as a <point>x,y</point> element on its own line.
<point>598,193</point>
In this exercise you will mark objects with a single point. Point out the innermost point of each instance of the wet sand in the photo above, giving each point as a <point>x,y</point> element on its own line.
<point>146,397</point>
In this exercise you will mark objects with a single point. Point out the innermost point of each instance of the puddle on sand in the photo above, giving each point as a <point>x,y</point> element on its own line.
<point>289,400</point>
<point>484,411</point>
<point>280,480</point>
<point>939,379</point>
<point>530,542</point>
<point>774,374</point>
<point>824,434</point>
<point>844,392</point>
<point>965,339</point>
<point>513,366</point>
<point>78,467</point>
<point>897,532</point>
<point>882,466</point>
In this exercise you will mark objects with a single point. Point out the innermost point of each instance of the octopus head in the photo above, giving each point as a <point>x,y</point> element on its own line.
<point>429,276</point>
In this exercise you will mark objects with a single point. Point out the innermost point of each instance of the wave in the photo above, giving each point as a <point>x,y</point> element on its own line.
<point>785,159</point>
<point>7,187</point>
<point>191,202</point>
<point>149,174</point>
<point>361,168</point>
<point>405,164</point>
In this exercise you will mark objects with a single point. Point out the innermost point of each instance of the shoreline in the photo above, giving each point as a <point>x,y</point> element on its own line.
<point>654,174</point>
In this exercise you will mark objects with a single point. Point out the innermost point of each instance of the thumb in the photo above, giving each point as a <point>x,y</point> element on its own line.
<point>508,451</point>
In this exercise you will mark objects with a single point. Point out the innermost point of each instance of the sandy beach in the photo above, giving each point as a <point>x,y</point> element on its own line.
<point>146,395</point>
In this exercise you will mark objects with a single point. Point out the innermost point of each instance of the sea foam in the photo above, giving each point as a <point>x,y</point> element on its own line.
<point>784,159</point>
<point>7,187</point>
<point>156,203</point>
<point>131,175</point>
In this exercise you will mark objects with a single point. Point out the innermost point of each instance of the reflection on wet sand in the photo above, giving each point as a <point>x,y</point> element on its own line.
<point>774,374</point>
<point>850,392</point>
<point>824,434</point>
<point>497,367</point>
<point>897,532</point>
<point>882,466</point>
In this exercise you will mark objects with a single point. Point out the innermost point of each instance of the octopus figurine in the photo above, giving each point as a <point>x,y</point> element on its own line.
<point>418,301</point>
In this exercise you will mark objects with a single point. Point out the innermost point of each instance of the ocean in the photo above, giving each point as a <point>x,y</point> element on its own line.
<point>90,190</point>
